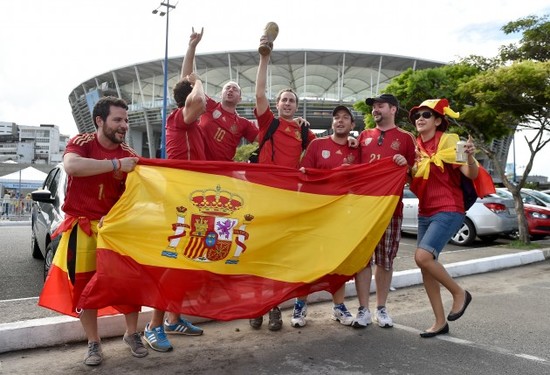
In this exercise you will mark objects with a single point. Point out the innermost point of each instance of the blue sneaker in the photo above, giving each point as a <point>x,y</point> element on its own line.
<point>182,327</point>
<point>156,338</point>
<point>341,314</point>
<point>299,314</point>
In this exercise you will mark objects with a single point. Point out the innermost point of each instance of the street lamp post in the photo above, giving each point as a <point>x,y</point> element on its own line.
<point>165,92</point>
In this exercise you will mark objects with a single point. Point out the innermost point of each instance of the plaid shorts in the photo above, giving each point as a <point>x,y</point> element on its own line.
<point>386,250</point>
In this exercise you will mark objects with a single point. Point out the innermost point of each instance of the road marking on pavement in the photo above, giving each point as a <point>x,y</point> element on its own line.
<point>490,348</point>
<point>20,299</point>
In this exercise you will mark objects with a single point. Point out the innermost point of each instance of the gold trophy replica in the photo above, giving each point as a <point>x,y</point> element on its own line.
<point>271,30</point>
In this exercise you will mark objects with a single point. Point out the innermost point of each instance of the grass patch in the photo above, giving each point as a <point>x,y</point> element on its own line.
<point>517,244</point>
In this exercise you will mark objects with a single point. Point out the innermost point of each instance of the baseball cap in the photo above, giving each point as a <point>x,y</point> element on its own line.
<point>384,98</point>
<point>340,107</point>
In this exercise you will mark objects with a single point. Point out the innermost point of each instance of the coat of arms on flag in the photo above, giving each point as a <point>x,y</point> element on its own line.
<point>209,233</point>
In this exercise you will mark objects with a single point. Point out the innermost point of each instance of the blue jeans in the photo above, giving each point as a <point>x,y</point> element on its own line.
<point>435,231</point>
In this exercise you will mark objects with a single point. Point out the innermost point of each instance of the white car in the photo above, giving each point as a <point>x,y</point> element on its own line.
<point>487,219</point>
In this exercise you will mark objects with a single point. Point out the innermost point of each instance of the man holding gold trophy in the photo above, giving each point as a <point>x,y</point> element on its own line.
<point>286,143</point>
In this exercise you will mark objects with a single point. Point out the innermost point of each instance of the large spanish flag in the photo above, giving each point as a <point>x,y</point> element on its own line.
<point>229,240</point>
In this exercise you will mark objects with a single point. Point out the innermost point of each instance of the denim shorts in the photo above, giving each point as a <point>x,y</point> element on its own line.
<point>435,231</point>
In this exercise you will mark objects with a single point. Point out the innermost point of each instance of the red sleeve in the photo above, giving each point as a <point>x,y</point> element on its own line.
<point>250,130</point>
<point>308,160</point>
<point>210,104</point>
<point>310,136</point>
<point>411,151</point>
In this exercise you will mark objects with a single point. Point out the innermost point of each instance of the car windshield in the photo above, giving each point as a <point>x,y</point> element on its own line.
<point>503,193</point>
<point>543,197</point>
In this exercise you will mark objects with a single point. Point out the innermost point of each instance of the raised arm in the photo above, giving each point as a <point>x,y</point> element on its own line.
<point>189,59</point>
<point>262,103</point>
<point>195,104</point>
<point>471,169</point>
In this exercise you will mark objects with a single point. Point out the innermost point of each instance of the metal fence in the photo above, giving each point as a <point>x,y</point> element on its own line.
<point>14,208</point>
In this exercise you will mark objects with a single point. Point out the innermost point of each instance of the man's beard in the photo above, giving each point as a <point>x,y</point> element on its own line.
<point>112,136</point>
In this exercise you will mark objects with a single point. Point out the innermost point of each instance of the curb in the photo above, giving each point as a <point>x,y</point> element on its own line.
<point>58,330</point>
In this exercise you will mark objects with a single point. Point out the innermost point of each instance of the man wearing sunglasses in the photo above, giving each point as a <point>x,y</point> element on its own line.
<point>385,140</point>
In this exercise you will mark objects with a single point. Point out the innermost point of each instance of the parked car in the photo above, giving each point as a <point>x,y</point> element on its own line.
<point>535,197</point>
<point>529,196</point>
<point>537,215</point>
<point>47,215</point>
<point>487,219</point>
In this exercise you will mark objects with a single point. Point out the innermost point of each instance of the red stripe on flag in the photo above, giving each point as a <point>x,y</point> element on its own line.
<point>58,292</point>
<point>339,181</point>
<point>192,292</point>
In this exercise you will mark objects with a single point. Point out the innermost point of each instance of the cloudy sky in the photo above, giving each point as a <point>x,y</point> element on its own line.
<point>48,47</point>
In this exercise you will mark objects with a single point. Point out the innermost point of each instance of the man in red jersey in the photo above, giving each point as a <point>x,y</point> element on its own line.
<point>326,153</point>
<point>183,136</point>
<point>385,140</point>
<point>222,127</point>
<point>284,148</point>
<point>184,141</point>
<point>97,164</point>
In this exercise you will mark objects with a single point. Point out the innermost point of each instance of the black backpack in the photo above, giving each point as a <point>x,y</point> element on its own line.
<point>469,192</point>
<point>269,137</point>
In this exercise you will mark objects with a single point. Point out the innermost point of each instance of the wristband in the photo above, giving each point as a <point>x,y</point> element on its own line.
<point>471,164</point>
<point>115,164</point>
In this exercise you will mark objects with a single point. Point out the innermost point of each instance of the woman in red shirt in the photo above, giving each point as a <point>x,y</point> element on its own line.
<point>436,183</point>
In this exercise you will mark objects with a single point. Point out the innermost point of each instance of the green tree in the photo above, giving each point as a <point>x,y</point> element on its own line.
<point>535,41</point>
<point>511,98</point>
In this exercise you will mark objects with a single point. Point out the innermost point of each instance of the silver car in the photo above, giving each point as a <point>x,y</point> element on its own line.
<point>47,215</point>
<point>487,219</point>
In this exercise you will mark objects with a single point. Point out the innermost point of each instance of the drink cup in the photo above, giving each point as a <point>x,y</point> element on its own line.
<point>461,156</point>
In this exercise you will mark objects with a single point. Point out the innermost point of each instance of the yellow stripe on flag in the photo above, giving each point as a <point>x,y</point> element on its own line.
<point>184,219</point>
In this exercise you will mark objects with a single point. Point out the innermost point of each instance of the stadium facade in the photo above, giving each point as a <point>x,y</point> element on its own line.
<point>322,79</point>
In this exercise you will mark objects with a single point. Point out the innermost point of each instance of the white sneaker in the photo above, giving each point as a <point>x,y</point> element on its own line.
<point>299,314</point>
<point>362,319</point>
<point>383,319</point>
<point>341,314</point>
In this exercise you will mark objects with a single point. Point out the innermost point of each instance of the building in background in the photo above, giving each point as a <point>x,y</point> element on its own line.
<point>26,144</point>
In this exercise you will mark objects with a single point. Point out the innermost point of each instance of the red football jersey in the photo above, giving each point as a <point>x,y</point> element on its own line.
<point>324,153</point>
<point>93,196</point>
<point>183,141</point>
<point>286,146</point>
<point>222,131</point>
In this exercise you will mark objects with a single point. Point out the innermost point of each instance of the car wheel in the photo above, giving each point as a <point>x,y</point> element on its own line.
<point>35,250</point>
<point>466,235</point>
<point>490,238</point>
<point>48,259</point>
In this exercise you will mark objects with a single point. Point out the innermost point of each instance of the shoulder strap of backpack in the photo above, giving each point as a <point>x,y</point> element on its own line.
<point>269,134</point>
<point>305,136</point>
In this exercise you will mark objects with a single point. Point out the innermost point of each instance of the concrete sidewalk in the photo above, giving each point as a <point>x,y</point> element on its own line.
<point>24,325</point>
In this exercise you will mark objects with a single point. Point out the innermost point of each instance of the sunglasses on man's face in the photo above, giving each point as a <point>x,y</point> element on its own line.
<point>426,115</point>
